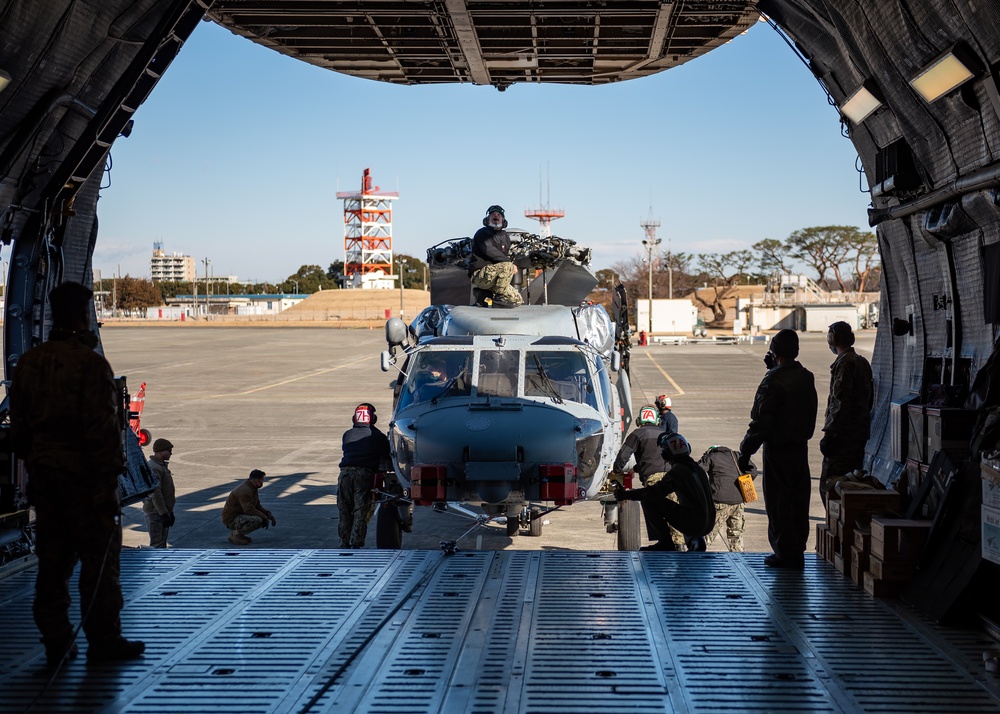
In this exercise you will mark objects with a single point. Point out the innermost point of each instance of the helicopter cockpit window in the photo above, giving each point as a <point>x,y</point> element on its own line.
<point>437,374</point>
<point>497,373</point>
<point>558,375</point>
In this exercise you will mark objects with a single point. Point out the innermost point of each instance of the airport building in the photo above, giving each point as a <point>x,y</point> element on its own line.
<point>170,268</point>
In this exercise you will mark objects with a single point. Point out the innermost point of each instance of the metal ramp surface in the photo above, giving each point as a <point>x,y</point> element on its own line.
<point>491,632</point>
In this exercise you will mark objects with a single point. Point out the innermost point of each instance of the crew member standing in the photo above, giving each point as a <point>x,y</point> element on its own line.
<point>848,409</point>
<point>366,452</point>
<point>159,507</point>
<point>668,420</point>
<point>783,418</point>
<point>490,267</point>
<point>66,425</point>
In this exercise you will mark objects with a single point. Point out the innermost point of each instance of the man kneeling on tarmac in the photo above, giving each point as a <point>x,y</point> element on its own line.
<point>243,513</point>
<point>693,514</point>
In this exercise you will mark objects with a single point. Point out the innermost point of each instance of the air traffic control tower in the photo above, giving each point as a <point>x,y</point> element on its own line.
<point>368,235</point>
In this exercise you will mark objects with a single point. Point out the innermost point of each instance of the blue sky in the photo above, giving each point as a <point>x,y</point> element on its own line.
<point>238,154</point>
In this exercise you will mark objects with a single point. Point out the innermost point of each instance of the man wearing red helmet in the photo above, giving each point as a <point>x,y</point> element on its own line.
<point>366,452</point>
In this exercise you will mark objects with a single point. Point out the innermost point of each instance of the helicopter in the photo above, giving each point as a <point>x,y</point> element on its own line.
<point>514,410</point>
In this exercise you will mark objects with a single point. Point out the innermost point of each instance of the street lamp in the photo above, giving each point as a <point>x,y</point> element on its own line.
<point>650,247</point>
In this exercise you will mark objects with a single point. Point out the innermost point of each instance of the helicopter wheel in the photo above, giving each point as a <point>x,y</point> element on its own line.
<point>629,536</point>
<point>388,529</point>
<point>514,521</point>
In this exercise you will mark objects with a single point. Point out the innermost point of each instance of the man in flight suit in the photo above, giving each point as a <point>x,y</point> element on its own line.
<point>366,452</point>
<point>848,409</point>
<point>490,267</point>
<point>783,418</point>
<point>66,425</point>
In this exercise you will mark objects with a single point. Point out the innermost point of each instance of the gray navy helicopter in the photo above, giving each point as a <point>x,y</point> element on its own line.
<point>517,410</point>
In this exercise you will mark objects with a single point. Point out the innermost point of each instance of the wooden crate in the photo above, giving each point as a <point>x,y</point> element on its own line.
<point>859,564</point>
<point>857,507</point>
<point>821,529</point>
<point>862,539</point>
<point>898,538</point>
<point>895,571</point>
<point>880,588</point>
<point>949,429</point>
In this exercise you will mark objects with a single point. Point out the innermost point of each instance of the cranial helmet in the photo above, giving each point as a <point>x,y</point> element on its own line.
<point>497,209</point>
<point>648,414</point>
<point>663,402</point>
<point>364,414</point>
<point>673,446</point>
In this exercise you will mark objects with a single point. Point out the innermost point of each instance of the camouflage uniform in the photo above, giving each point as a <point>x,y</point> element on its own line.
<point>732,514</point>
<point>676,537</point>
<point>243,511</point>
<point>65,425</point>
<point>355,500</point>
<point>496,278</point>
<point>848,416</point>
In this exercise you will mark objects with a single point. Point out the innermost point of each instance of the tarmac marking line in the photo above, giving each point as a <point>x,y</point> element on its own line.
<point>670,379</point>
<point>289,381</point>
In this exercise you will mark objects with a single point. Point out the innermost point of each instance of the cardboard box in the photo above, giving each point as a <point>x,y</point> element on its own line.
<point>831,545</point>
<point>857,506</point>
<point>881,588</point>
<point>833,508</point>
<point>991,534</point>
<point>821,530</point>
<point>898,538</point>
<point>916,437</point>
<point>862,539</point>
<point>857,574</point>
<point>949,429</point>
<point>894,571</point>
<point>860,559</point>
<point>839,563</point>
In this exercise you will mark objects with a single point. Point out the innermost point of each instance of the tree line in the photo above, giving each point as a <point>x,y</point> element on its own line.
<point>130,294</point>
<point>839,257</point>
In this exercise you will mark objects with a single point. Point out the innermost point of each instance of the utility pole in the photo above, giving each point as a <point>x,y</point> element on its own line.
<point>650,225</point>
<point>208,309</point>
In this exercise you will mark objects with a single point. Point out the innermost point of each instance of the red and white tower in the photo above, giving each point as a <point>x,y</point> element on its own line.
<point>368,234</point>
<point>544,215</point>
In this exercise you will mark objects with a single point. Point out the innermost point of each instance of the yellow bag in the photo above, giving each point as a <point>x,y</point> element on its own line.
<point>745,482</point>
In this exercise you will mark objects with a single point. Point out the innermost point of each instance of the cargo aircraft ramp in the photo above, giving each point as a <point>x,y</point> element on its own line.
<point>524,631</point>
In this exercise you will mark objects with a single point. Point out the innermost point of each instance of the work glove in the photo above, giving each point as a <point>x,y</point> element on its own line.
<point>621,494</point>
<point>744,464</point>
<point>274,521</point>
<point>167,519</point>
<point>265,524</point>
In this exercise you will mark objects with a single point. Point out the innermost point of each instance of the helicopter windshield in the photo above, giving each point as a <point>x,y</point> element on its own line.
<point>558,375</point>
<point>437,374</point>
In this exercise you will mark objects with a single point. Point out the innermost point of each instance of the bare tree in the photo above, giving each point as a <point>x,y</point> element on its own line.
<point>724,271</point>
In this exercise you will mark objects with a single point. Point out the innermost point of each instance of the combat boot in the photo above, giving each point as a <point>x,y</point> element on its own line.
<point>117,650</point>
<point>56,654</point>
<point>237,538</point>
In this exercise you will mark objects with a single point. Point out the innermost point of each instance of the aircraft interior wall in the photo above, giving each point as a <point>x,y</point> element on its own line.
<point>931,258</point>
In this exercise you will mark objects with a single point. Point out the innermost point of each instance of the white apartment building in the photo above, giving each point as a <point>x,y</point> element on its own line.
<point>170,268</point>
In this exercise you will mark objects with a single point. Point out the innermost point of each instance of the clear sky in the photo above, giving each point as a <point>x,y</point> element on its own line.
<point>238,154</point>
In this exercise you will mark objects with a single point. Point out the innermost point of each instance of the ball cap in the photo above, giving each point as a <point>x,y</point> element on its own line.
<point>257,473</point>
<point>161,445</point>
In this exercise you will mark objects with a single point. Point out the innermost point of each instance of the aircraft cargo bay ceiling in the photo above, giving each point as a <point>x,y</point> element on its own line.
<point>495,43</point>
<point>915,82</point>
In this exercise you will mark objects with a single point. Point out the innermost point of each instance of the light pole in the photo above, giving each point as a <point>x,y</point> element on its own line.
<point>296,285</point>
<point>670,272</point>
<point>650,247</point>
<point>206,263</point>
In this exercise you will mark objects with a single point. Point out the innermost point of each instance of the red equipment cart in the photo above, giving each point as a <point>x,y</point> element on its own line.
<point>135,414</point>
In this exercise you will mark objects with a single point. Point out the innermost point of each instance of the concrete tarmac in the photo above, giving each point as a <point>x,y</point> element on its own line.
<point>232,399</point>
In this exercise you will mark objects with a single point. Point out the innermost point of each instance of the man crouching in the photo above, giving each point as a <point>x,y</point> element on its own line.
<point>243,513</point>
